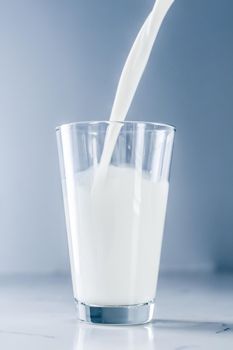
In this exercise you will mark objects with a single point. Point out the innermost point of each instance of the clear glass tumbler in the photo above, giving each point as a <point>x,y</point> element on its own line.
<point>115,226</point>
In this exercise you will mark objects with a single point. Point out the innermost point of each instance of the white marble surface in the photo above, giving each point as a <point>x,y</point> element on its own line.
<point>194,312</point>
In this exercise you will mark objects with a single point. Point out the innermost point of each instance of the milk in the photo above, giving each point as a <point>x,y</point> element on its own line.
<point>115,236</point>
<point>115,215</point>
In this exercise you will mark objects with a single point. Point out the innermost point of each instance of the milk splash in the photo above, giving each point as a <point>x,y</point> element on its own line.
<point>129,80</point>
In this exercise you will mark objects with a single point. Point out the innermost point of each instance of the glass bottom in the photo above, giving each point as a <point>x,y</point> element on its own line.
<point>116,315</point>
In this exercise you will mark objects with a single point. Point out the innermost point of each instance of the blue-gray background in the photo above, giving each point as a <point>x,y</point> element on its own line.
<point>60,61</point>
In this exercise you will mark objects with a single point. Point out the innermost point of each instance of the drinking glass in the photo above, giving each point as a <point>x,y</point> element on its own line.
<point>115,226</point>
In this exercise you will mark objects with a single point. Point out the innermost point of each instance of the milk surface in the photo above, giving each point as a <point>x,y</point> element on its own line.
<point>115,236</point>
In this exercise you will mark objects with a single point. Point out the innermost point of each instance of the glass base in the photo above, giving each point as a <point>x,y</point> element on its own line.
<point>116,315</point>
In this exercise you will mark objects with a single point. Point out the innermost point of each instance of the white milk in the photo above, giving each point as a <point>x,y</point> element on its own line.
<point>115,236</point>
<point>115,231</point>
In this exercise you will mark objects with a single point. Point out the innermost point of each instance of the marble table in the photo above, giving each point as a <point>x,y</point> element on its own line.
<point>194,311</point>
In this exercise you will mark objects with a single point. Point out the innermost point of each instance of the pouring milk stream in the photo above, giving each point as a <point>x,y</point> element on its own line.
<point>129,80</point>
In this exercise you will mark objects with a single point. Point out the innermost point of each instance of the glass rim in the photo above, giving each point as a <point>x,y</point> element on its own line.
<point>157,126</point>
